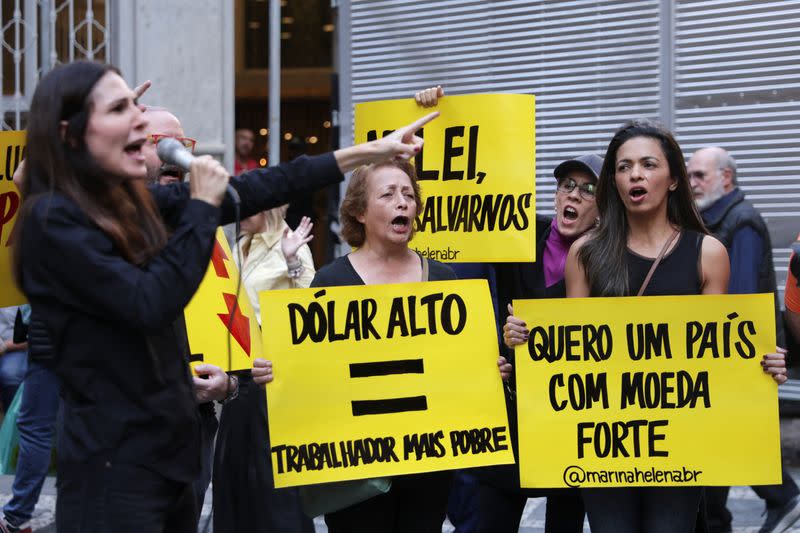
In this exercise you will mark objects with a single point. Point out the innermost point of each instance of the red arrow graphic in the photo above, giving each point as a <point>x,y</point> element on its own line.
<point>218,257</point>
<point>239,326</point>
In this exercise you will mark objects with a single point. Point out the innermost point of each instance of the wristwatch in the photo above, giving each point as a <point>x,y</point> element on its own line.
<point>233,389</point>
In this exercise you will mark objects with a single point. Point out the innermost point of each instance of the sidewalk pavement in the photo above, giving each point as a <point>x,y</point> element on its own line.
<point>743,503</point>
<point>746,507</point>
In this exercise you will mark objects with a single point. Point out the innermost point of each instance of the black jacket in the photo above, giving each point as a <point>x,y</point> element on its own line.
<point>116,328</point>
<point>739,214</point>
<point>525,280</point>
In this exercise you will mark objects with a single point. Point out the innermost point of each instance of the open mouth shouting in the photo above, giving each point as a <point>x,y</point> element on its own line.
<point>637,194</point>
<point>134,149</point>
<point>401,224</point>
<point>570,213</point>
<point>169,174</point>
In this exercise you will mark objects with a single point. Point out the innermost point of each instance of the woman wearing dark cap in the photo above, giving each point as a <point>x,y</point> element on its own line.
<point>500,499</point>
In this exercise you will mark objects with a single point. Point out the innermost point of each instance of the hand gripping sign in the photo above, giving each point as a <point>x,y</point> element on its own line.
<point>383,380</point>
<point>215,322</point>
<point>654,391</point>
<point>476,171</point>
<point>12,151</point>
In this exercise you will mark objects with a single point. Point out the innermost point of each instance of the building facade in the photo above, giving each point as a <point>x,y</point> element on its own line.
<point>719,72</point>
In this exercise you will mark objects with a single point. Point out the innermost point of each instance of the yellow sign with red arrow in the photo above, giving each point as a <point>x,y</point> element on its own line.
<point>12,151</point>
<point>221,331</point>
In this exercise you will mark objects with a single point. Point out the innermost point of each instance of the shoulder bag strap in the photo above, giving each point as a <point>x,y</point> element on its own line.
<point>661,254</point>
<point>425,270</point>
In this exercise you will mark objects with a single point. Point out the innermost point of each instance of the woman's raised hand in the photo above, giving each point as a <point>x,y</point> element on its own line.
<point>429,97</point>
<point>141,89</point>
<point>402,143</point>
<point>293,240</point>
<point>515,332</point>
<point>208,180</point>
<point>774,364</point>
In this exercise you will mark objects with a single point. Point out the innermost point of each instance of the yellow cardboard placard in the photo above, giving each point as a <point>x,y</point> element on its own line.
<point>602,404</point>
<point>12,151</point>
<point>383,380</point>
<point>476,171</point>
<point>208,316</point>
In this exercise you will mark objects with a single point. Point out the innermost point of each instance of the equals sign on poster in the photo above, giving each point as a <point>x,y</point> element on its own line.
<point>388,405</point>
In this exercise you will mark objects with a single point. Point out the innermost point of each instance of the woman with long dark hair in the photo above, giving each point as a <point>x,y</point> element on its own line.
<point>93,256</point>
<point>647,211</point>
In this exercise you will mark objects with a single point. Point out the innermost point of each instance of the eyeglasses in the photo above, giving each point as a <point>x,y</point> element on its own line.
<point>187,142</point>
<point>568,185</point>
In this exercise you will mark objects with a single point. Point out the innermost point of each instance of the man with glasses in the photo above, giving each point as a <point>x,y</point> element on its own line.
<point>215,385</point>
<point>736,223</point>
<point>162,123</point>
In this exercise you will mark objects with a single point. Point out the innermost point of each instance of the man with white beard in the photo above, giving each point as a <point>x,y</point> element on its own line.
<point>736,223</point>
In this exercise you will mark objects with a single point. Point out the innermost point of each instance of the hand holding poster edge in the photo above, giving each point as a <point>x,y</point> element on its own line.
<point>404,141</point>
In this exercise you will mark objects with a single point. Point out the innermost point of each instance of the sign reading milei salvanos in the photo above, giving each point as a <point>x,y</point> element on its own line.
<point>476,171</point>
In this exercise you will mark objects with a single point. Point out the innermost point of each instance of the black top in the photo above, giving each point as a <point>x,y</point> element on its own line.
<point>679,273</point>
<point>341,273</point>
<point>117,329</point>
<point>525,281</point>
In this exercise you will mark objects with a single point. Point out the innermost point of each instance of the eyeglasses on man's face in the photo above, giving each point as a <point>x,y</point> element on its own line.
<point>586,190</point>
<point>187,142</point>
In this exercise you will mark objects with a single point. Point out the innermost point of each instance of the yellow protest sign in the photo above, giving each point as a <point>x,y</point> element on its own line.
<point>12,151</point>
<point>209,325</point>
<point>476,171</point>
<point>664,390</point>
<point>383,380</point>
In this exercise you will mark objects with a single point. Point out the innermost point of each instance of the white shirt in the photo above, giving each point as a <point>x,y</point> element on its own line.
<point>265,268</point>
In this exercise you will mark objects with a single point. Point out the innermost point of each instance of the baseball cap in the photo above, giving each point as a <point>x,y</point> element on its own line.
<point>590,163</point>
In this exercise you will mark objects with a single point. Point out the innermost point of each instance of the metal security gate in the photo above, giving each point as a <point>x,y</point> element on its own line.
<point>722,72</point>
<point>40,34</point>
<point>737,85</point>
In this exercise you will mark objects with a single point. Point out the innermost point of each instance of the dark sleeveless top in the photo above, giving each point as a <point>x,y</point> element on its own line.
<point>679,272</point>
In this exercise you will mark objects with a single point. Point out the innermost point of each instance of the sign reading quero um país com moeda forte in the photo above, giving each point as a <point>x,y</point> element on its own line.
<point>476,171</point>
<point>383,380</point>
<point>221,324</point>
<point>647,391</point>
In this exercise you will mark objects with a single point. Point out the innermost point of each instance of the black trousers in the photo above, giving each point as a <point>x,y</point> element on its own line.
<point>102,497</point>
<point>500,510</point>
<point>245,497</point>
<point>208,430</point>
<point>642,509</point>
<point>416,503</point>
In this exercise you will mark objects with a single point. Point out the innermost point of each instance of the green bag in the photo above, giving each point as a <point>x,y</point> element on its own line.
<point>9,436</point>
<point>329,497</point>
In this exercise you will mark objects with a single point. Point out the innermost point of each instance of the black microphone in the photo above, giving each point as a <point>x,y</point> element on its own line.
<point>172,152</point>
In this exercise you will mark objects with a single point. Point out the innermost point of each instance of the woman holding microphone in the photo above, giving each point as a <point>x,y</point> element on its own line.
<point>93,257</point>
